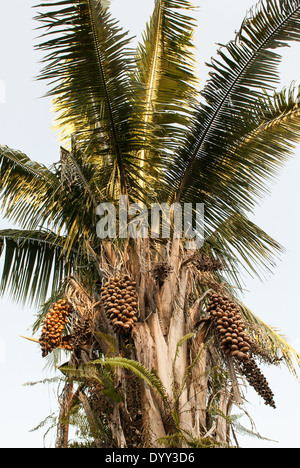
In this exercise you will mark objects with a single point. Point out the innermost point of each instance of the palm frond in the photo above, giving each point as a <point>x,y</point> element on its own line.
<point>272,340</point>
<point>136,368</point>
<point>94,371</point>
<point>166,84</point>
<point>72,173</point>
<point>242,246</point>
<point>61,198</point>
<point>11,159</point>
<point>230,102</point>
<point>24,184</point>
<point>32,264</point>
<point>26,188</point>
<point>88,64</point>
<point>228,188</point>
<point>269,145</point>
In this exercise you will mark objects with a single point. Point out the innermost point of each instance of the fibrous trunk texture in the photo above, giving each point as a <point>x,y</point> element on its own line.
<point>165,320</point>
<point>148,303</point>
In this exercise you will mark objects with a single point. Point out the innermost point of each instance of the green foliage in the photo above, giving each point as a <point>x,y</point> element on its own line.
<point>138,125</point>
<point>89,64</point>
<point>240,429</point>
<point>139,370</point>
<point>134,122</point>
<point>34,264</point>
<point>98,370</point>
<point>175,441</point>
<point>235,105</point>
<point>165,68</point>
<point>91,374</point>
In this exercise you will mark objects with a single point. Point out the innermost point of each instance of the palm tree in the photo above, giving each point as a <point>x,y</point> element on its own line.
<point>159,342</point>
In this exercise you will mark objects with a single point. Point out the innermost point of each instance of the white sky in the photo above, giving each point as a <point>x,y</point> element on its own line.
<point>25,124</point>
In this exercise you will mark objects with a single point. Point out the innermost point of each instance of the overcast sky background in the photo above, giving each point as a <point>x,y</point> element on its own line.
<point>25,124</point>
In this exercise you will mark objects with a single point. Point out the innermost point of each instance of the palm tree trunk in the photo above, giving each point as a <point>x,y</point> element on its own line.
<point>166,341</point>
<point>156,345</point>
<point>62,437</point>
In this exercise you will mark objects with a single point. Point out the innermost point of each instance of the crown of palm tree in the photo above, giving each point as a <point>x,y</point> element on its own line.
<point>135,122</point>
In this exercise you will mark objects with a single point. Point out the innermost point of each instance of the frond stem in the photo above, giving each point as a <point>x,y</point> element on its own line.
<point>114,131</point>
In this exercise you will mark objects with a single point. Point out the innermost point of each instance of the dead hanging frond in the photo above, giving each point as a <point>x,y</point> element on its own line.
<point>83,304</point>
<point>272,340</point>
<point>111,259</point>
<point>110,341</point>
<point>207,279</point>
<point>260,345</point>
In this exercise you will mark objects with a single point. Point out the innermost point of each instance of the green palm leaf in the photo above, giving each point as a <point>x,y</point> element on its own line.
<point>95,368</point>
<point>165,85</point>
<point>271,143</point>
<point>32,264</point>
<point>63,198</point>
<point>23,184</point>
<point>229,187</point>
<point>243,246</point>
<point>165,79</point>
<point>230,106</point>
<point>88,64</point>
<point>11,159</point>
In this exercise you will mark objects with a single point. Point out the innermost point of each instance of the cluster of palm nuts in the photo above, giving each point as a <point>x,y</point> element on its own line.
<point>230,326</point>
<point>258,381</point>
<point>120,303</point>
<point>54,326</point>
<point>235,341</point>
